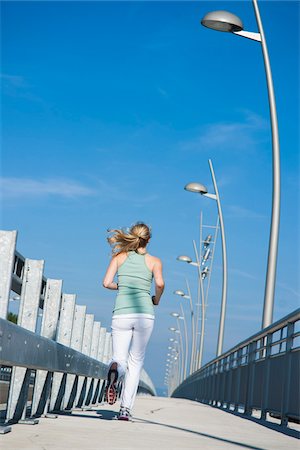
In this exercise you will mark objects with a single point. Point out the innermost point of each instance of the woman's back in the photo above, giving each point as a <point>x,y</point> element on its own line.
<point>134,285</point>
<point>133,274</point>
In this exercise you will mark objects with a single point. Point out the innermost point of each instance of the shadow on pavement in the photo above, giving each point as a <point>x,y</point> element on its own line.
<point>239,444</point>
<point>265,423</point>
<point>104,414</point>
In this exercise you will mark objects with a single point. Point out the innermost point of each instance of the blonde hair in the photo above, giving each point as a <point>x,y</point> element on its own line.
<point>129,240</point>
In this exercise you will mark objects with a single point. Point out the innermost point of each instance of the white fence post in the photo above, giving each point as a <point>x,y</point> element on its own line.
<point>27,318</point>
<point>63,337</point>
<point>86,348</point>
<point>91,384</point>
<point>76,344</point>
<point>51,309</point>
<point>100,353</point>
<point>8,241</point>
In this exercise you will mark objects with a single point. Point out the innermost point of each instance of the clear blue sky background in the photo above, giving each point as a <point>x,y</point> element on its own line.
<point>109,109</point>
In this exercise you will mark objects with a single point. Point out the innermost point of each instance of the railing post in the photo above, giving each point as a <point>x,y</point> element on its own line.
<point>250,378</point>
<point>27,318</point>
<point>287,378</point>
<point>105,361</point>
<point>265,395</point>
<point>86,348</point>
<point>76,344</point>
<point>8,241</point>
<point>63,337</point>
<point>238,383</point>
<point>98,389</point>
<point>7,255</point>
<point>42,385</point>
<point>94,352</point>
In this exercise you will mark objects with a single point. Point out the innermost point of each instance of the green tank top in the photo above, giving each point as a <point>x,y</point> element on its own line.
<point>134,281</point>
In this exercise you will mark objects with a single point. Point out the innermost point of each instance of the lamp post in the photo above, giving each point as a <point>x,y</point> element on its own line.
<point>201,189</point>
<point>189,297</point>
<point>228,22</point>
<point>204,271</point>
<point>185,354</point>
<point>180,352</point>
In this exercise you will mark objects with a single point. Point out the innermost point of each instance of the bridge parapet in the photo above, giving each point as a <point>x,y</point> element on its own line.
<point>260,373</point>
<point>65,364</point>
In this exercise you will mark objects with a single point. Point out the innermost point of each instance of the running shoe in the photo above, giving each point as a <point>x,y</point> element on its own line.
<point>124,414</point>
<point>111,392</point>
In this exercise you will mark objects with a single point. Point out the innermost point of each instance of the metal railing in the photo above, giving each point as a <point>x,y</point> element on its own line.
<point>65,364</point>
<point>260,373</point>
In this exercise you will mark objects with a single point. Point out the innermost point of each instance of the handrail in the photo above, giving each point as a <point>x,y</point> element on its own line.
<point>291,317</point>
<point>248,375</point>
<point>23,348</point>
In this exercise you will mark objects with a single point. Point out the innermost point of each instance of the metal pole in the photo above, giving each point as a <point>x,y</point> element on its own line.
<point>192,361</point>
<point>212,260</point>
<point>200,281</point>
<point>199,290</point>
<point>186,341</point>
<point>224,257</point>
<point>181,351</point>
<point>267,318</point>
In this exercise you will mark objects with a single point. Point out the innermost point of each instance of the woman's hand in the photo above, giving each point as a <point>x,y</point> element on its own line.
<point>154,301</point>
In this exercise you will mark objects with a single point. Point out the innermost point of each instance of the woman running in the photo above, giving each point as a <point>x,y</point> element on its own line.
<point>133,313</point>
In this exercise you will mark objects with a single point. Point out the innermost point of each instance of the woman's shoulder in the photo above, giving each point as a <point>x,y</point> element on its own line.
<point>120,257</point>
<point>153,259</point>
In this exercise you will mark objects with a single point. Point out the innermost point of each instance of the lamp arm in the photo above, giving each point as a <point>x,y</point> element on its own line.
<point>212,196</point>
<point>248,35</point>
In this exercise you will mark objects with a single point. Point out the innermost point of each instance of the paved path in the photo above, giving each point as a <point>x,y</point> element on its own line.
<point>159,423</point>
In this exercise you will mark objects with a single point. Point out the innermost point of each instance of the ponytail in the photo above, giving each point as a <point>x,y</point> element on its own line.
<point>125,241</point>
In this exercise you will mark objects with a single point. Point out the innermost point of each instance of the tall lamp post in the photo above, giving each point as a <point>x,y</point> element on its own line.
<point>180,353</point>
<point>185,353</point>
<point>193,346</point>
<point>201,189</point>
<point>228,22</point>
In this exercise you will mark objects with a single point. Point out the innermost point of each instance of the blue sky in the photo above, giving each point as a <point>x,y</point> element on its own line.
<point>110,108</point>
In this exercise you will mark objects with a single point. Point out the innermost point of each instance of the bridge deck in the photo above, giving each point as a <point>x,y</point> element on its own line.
<point>159,422</point>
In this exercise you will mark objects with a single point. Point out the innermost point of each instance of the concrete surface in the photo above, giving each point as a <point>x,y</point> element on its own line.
<point>159,423</point>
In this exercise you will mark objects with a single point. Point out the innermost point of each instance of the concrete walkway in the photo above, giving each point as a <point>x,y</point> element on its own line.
<point>159,423</point>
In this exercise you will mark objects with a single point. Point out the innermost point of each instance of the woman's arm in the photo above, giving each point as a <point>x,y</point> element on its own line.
<point>108,280</point>
<point>159,281</point>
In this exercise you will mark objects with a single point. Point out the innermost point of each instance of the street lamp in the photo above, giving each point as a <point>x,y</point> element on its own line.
<point>226,21</point>
<point>201,189</point>
<point>185,355</point>
<point>206,255</point>
<point>222,21</point>
<point>189,297</point>
<point>182,369</point>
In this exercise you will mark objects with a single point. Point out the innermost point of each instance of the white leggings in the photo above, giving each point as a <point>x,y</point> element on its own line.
<point>136,331</point>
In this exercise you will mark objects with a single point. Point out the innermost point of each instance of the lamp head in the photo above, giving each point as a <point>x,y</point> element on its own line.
<point>174,314</point>
<point>196,187</point>
<point>179,292</point>
<point>222,21</point>
<point>184,258</point>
